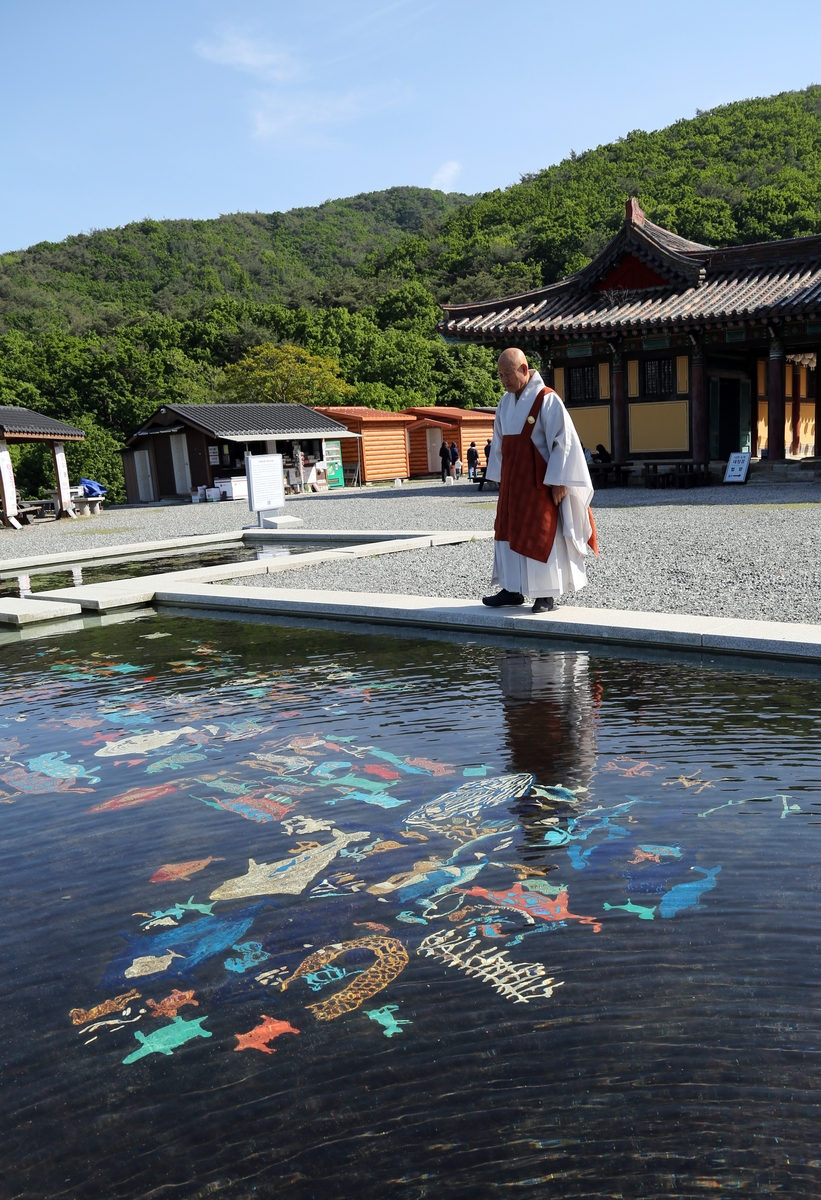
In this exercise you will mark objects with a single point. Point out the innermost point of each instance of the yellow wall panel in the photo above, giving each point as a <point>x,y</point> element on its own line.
<point>682,375</point>
<point>659,426</point>
<point>806,436</point>
<point>632,377</point>
<point>763,426</point>
<point>592,425</point>
<point>558,381</point>
<point>762,377</point>
<point>604,381</point>
<point>788,380</point>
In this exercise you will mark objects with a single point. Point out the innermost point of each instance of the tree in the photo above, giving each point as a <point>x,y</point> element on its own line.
<point>286,374</point>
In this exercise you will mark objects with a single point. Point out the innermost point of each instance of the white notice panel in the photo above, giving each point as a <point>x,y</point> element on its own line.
<point>7,489</point>
<point>266,486</point>
<point>738,465</point>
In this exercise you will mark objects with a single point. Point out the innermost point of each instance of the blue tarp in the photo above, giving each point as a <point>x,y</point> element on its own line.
<point>92,488</point>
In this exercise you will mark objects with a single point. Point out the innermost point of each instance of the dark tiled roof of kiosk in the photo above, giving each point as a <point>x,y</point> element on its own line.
<point>691,285</point>
<point>24,422</point>
<point>246,422</point>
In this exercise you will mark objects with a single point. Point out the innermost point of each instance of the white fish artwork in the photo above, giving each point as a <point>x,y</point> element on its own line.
<point>289,876</point>
<point>305,825</point>
<point>470,799</point>
<point>151,964</point>
<point>141,743</point>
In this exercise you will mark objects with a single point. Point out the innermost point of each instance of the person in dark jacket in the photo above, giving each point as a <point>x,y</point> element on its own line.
<point>444,455</point>
<point>601,455</point>
<point>454,455</point>
<point>487,450</point>
<point>473,461</point>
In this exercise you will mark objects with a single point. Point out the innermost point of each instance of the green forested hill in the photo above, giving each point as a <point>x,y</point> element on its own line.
<point>104,327</point>
<point>744,171</point>
<point>98,279</point>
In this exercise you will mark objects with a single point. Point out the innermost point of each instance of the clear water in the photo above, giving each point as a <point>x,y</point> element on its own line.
<point>676,1052</point>
<point>17,584</point>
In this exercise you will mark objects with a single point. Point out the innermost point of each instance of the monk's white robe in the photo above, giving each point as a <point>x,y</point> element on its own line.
<point>555,437</point>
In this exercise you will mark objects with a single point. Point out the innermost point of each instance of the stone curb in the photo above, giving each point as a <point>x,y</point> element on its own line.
<point>659,630</point>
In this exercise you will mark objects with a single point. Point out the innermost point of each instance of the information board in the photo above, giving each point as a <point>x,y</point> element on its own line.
<point>737,467</point>
<point>266,486</point>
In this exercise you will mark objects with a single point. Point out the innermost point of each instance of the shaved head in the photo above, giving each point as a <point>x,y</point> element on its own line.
<point>513,369</point>
<point>512,357</point>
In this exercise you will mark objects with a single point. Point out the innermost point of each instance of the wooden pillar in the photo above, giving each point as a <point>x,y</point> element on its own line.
<point>621,445</point>
<point>775,403</point>
<point>8,490</point>
<point>64,505</point>
<point>701,409</point>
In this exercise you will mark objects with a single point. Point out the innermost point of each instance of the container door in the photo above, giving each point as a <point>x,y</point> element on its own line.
<point>145,482</point>
<point>434,441</point>
<point>182,470</point>
<point>333,461</point>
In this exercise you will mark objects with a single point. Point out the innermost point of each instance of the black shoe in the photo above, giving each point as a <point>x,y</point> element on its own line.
<point>544,604</point>
<point>503,598</point>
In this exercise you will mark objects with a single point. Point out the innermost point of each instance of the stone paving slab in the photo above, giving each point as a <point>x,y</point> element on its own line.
<point>673,631</point>
<point>27,611</point>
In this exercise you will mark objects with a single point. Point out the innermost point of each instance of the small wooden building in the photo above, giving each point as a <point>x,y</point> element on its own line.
<point>668,349</point>
<point>459,425</point>
<point>383,447</point>
<point>186,446</point>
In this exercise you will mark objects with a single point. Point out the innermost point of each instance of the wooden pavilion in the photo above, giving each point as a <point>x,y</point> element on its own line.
<point>459,425</point>
<point>668,349</point>
<point>382,452</point>
<point>24,425</point>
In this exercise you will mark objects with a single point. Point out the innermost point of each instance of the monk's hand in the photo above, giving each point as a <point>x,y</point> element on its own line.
<point>559,494</point>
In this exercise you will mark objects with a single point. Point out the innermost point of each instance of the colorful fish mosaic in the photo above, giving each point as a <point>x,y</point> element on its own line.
<point>260,1037</point>
<point>173,871</point>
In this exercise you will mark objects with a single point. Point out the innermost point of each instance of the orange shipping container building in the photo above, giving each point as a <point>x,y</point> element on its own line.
<point>383,448</point>
<point>459,425</point>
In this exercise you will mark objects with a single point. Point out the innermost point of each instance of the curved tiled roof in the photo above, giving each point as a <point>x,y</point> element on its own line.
<point>702,286</point>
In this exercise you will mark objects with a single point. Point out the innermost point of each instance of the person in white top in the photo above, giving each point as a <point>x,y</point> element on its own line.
<point>544,526</point>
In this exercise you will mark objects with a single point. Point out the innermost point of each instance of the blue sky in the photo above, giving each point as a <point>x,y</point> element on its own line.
<point>112,111</point>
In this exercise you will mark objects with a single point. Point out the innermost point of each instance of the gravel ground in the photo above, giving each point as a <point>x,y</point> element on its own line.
<point>753,554</point>
<point>745,552</point>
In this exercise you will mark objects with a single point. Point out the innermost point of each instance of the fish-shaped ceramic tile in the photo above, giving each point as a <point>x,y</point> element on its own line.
<point>170,1006</point>
<point>134,796</point>
<point>174,762</point>
<point>81,1016</point>
<point>167,1039</point>
<point>687,895</point>
<point>259,1037</point>
<point>470,799</point>
<point>142,743</point>
<point>172,871</point>
<point>288,876</point>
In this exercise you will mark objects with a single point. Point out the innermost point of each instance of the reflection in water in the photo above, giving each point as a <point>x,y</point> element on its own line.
<point>549,716</point>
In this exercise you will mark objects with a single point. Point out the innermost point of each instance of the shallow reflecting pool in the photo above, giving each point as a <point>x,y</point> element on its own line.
<point>104,571</point>
<point>317,914</point>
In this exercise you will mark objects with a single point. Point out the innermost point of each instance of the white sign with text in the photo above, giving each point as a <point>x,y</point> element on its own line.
<point>737,467</point>
<point>266,485</point>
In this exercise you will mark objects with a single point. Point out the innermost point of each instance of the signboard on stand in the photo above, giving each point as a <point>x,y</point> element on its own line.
<point>266,485</point>
<point>737,467</point>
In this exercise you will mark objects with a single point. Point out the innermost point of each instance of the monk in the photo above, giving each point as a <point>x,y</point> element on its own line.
<point>543,521</point>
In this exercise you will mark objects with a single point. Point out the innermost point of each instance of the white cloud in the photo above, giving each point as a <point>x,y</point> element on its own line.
<point>447,175</point>
<point>283,117</point>
<point>254,57</point>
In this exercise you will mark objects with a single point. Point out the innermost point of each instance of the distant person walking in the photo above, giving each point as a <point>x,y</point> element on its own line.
<point>454,457</point>
<point>487,451</point>
<point>444,455</point>
<point>473,461</point>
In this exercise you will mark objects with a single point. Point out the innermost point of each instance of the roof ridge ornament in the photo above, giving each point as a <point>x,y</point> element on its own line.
<point>633,212</point>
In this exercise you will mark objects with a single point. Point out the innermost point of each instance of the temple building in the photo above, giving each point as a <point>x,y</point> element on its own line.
<point>666,349</point>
